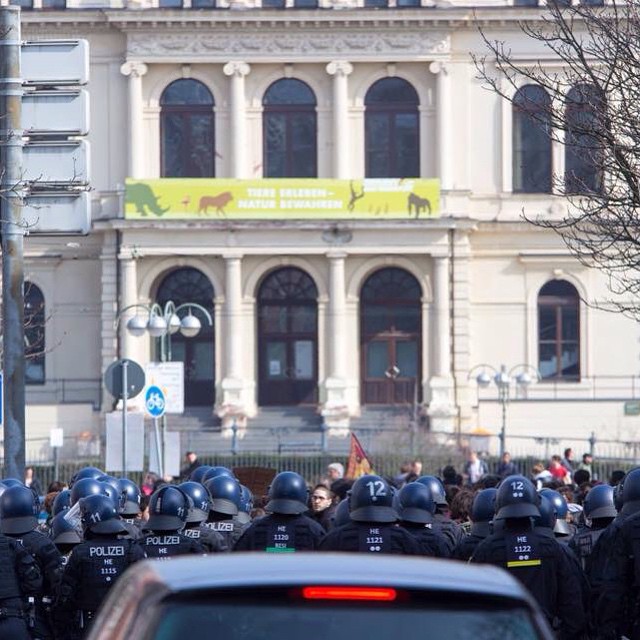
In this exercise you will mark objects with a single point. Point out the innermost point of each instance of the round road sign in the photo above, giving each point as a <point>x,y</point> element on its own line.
<point>154,402</point>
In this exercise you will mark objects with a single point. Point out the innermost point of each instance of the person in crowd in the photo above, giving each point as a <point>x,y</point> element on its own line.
<point>567,461</point>
<point>474,469</point>
<point>149,483</point>
<point>450,477</point>
<point>322,506</point>
<point>540,476</point>
<point>336,481</point>
<point>461,507</point>
<point>587,464</point>
<point>191,465</point>
<point>558,471</point>
<point>32,482</point>
<point>415,471</point>
<point>506,466</point>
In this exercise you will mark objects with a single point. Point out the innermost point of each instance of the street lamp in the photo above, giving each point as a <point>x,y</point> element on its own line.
<point>520,374</point>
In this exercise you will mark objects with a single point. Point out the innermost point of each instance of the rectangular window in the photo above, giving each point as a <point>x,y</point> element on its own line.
<point>376,3</point>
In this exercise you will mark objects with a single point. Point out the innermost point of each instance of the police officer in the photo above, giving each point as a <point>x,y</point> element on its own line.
<point>162,533</point>
<point>226,496</point>
<point>286,529</point>
<point>373,527</point>
<point>198,473</point>
<point>61,502</point>
<point>211,540</point>
<point>130,507</point>
<point>617,609</point>
<point>450,530</point>
<point>341,514</point>
<point>537,561</point>
<point>84,487</point>
<point>482,512</point>
<point>20,578</point>
<point>64,535</point>
<point>562,530</point>
<point>214,472</point>
<point>246,505</point>
<point>94,565</point>
<point>86,472</point>
<point>19,511</point>
<point>416,507</point>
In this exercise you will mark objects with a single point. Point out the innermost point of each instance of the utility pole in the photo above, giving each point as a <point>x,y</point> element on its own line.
<point>11,201</point>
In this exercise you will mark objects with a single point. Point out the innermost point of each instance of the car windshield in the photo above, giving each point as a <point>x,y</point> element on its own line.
<point>340,621</point>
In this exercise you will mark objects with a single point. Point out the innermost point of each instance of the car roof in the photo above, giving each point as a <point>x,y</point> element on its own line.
<point>239,570</point>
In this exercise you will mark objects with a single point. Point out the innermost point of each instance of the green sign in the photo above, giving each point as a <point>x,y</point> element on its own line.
<point>282,198</point>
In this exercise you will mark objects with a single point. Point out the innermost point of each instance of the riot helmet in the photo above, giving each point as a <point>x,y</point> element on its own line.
<point>370,500</point>
<point>115,495</point>
<point>599,503</point>
<point>483,511</point>
<point>631,492</point>
<point>63,534</point>
<point>548,514</point>
<point>85,487</point>
<point>114,482</point>
<point>414,503</point>
<point>516,498</point>
<point>617,496</point>
<point>168,509</point>
<point>61,502</point>
<point>12,482</point>
<point>225,494</point>
<point>199,511</point>
<point>88,472</point>
<point>98,514</point>
<point>198,473</point>
<point>214,472</point>
<point>437,490</point>
<point>341,515</point>
<point>560,504</point>
<point>246,499</point>
<point>288,494</point>
<point>131,492</point>
<point>19,511</point>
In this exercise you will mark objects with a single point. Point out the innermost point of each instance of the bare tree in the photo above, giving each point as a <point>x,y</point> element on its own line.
<point>590,69</point>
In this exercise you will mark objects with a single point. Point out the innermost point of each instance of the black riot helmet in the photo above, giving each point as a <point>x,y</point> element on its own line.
<point>114,482</point>
<point>599,503</point>
<point>516,498</point>
<point>85,487</point>
<point>12,482</point>
<point>61,502</point>
<point>288,494</point>
<point>198,473</point>
<point>131,492</point>
<point>562,508</point>
<point>214,472</point>
<point>199,511</point>
<point>88,472</point>
<point>341,515</point>
<point>371,500</point>
<point>115,495</point>
<point>19,511</point>
<point>63,533</point>
<point>246,499</point>
<point>414,503</point>
<point>98,514</point>
<point>225,494</point>
<point>437,489</point>
<point>483,511</point>
<point>168,509</point>
<point>548,514</point>
<point>631,492</point>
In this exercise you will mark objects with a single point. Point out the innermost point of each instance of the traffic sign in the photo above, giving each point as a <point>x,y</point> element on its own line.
<point>113,378</point>
<point>63,163</point>
<point>57,213</point>
<point>55,62</point>
<point>154,402</point>
<point>55,113</point>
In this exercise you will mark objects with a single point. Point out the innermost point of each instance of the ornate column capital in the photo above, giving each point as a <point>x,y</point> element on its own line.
<point>134,68</point>
<point>340,68</point>
<point>236,68</point>
<point>437,67</point>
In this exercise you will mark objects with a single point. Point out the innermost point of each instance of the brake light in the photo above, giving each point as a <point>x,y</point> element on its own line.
<point>379,594</point>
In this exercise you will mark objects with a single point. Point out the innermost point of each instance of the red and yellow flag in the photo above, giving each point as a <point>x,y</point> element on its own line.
<point>359,463</point>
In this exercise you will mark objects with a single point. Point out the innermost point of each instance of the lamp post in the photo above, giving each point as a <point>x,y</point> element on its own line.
<point>163,322</point>
<point>503,378</point>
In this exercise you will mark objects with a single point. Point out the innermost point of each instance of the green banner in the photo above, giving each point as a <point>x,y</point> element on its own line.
<point>278,198</point>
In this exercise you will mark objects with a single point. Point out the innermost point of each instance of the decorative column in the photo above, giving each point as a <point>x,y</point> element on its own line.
<point>135,70</point>
<point>335,410</point>
<point>340,70</point>
<point>232,408</point>
<point>237,71</point>
<point>128,297</point>
<point>442,409</point>
<point>444,109</point>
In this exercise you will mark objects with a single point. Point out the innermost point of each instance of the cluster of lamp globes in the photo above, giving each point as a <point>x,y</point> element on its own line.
<point>157,326</point>
<point>502,379</point>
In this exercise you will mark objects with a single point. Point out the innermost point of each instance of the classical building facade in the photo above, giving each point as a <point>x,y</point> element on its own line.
<point>334,315</point>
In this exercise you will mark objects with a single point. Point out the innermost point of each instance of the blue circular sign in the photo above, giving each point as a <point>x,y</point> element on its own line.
<point>154,402</point>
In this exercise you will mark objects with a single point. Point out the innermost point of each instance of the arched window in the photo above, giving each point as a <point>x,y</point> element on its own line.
<point>559,331</point>
<point>532,140</point>
<point>288,338</point>
<point>187,130</point>
<point>197,353</point>
<point>391,337</point>
<point>392,140</point>
<point>584,115</point>
<point>289,130</point>
<point>34,334</point>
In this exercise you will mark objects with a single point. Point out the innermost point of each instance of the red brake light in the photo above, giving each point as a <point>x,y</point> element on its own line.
<point>379,594</point>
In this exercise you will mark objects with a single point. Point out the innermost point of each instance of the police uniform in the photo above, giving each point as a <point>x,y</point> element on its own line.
<point>467,546</point>
<point>133,527</point>
<point>212,541</point>
<point>20,577</point>
<point>163,545</point>
<point>431,542</point>
<point>229,527</point>
<point>280,533</point>
<point>451,531</point>
<point>371,537</point>
<point>50,562</point>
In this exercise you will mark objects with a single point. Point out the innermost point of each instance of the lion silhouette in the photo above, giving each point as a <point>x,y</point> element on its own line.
<point>219,201</point>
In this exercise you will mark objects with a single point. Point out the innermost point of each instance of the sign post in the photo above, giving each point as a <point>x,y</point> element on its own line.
<point>155,405</point>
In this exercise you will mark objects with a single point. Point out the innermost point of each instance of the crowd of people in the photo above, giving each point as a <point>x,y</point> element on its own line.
<point>574,546</point>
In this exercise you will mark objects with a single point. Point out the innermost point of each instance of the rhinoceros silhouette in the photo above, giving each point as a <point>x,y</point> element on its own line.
<point>141,196</point>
